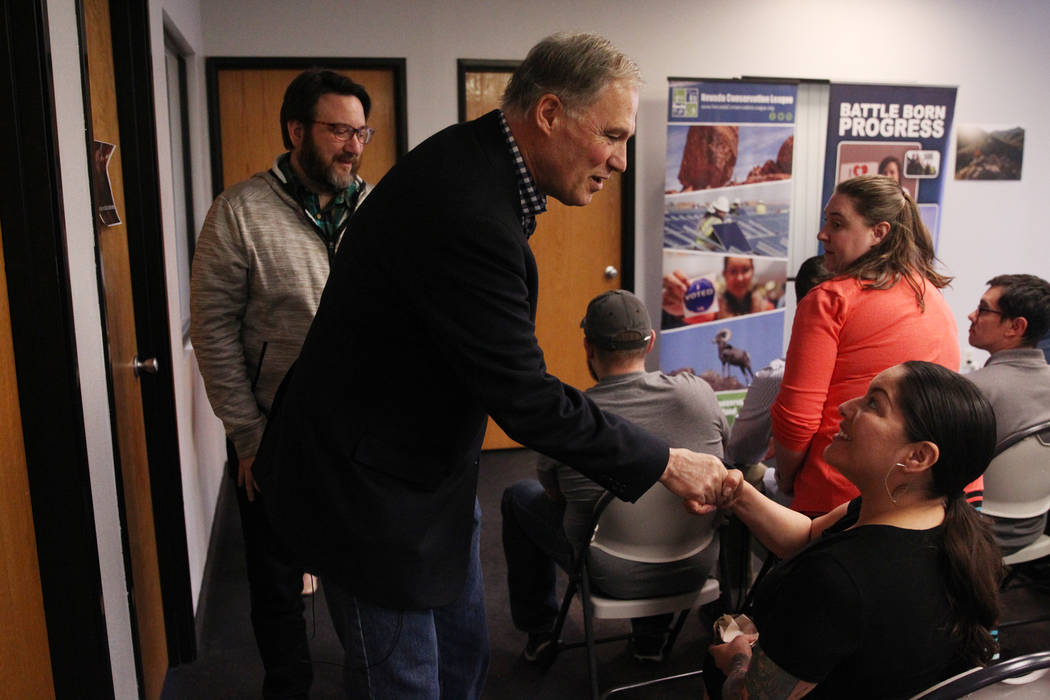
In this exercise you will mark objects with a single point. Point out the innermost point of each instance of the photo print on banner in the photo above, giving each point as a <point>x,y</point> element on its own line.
<point>727,195</point>
<point>898,131</point>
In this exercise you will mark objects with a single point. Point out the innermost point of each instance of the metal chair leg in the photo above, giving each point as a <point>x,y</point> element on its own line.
<point>675,630</point>
<point>566,603</point>
<point>645,684</point>
<point>588,633</point>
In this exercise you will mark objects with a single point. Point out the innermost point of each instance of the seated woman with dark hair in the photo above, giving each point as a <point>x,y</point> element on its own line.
<point>896,590</point>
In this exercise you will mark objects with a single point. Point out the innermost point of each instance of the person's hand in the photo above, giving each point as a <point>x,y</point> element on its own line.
<point>674,288</point>
<point>732,486</point>
<point>789,464</point>
<point>733,657</point>
<point>697,478</point>
<point>245,478</point>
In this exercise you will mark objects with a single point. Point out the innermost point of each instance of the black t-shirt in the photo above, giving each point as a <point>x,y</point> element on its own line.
<point>862,613</point>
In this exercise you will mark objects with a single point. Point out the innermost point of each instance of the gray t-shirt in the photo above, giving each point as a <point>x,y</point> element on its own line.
<point>1017,384</point>
<point>682,409</point>
<point>753,427</point>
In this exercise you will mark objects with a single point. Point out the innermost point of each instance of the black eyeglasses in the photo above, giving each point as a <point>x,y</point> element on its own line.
<point>985,310</point>
<point>345,132</point>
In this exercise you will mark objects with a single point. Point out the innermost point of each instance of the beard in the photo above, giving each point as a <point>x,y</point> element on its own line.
<point>329,174</point>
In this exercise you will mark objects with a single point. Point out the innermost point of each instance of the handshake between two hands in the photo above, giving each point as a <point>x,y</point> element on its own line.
<point>701,480</point>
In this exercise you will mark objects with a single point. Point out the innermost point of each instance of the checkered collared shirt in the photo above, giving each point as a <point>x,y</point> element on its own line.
<point>532,202</point>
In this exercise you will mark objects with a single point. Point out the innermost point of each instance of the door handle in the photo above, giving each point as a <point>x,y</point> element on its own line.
<point>148,366</point>
<point>611,272</point>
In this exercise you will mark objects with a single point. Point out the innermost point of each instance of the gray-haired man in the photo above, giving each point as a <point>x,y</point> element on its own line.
<point>376,471</point>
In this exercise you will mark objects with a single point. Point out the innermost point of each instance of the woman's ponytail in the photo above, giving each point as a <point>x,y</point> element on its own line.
<point>972,566</point>
<point>948,410</point>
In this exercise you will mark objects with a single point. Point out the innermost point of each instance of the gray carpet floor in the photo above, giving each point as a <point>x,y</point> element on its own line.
<point>228,666</point>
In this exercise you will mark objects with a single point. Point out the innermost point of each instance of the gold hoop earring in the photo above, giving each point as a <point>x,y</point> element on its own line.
<point>886,483</point>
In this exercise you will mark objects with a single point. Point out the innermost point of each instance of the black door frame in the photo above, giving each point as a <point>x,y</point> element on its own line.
<point>215,64</point>
<point>45,345</point>
<point>133,78</point>
<point>46,358</point>
<point>486,65</point>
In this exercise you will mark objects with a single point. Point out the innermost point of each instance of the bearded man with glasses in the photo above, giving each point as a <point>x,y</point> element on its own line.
<point>261,262</point>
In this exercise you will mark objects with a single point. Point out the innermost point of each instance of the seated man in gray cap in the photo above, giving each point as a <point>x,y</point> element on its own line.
<point>545,521</point>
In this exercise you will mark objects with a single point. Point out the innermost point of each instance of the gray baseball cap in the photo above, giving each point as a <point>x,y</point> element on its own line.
<point>617,320</point>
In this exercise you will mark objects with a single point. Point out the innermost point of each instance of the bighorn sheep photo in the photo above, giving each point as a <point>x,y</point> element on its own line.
<point>731,356</point>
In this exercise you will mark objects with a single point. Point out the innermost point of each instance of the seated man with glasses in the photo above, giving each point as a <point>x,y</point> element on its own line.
<point>262,259</point>
<point>1009,321</point>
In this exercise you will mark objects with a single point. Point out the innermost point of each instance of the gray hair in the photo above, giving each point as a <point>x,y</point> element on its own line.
<point>575,67</point>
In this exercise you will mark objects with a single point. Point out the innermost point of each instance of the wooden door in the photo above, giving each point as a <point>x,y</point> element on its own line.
<point>25,671</point>
<point>573,247</point>
<point>249,107</point>
<point>122,351</point>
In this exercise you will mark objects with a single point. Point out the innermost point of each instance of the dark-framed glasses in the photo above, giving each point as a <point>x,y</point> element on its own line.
<point>982,309</point>
<point>344,132</point>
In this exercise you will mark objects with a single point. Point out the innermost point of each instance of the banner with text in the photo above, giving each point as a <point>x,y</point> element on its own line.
<point>727,196</point>
<point>898,131</point>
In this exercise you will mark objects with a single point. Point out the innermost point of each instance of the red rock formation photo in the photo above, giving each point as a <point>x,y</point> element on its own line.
<point>709,157</point>
<point>784,155</point>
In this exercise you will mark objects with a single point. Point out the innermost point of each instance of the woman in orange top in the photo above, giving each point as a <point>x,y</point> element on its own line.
<point>881,306</point>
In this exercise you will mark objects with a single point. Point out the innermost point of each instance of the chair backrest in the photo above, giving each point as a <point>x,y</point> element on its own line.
<point>1009,671</point>
<point>1017,481</point>
<point>655,529</point>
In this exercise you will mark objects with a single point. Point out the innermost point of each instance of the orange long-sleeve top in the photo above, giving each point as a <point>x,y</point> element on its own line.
<point>841,338</point>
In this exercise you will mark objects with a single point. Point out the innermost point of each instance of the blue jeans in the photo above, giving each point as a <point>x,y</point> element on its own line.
<point>437,653</point>
<point>533,542</point>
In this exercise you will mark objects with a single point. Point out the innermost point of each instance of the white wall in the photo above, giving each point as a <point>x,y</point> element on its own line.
<point>201,440</point>
<point>80,248</point>
<point>995,52</point>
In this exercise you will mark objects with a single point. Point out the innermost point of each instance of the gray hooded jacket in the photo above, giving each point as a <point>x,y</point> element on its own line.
<point>259,268</point>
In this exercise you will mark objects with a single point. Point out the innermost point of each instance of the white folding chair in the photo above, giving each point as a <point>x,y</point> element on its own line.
<point>997,680</point>
<point>1017,485</point>
<point>1017,481</point>
<point>655,529</point>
